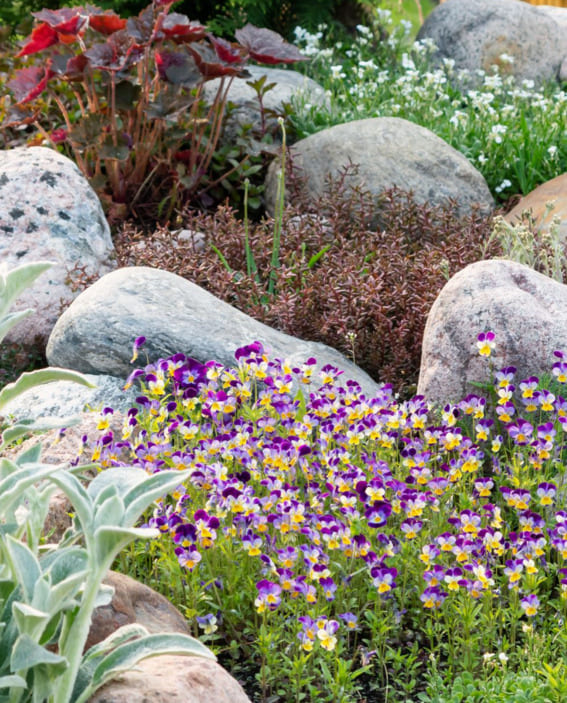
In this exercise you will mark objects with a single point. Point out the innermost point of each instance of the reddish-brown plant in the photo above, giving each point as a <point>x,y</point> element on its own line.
<point>364,291</point>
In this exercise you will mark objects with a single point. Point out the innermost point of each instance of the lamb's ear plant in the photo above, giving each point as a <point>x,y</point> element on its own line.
<point>48,592</point>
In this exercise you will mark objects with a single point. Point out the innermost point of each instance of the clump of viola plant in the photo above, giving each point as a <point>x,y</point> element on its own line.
<point>340,546</point>
<point>125,97</point>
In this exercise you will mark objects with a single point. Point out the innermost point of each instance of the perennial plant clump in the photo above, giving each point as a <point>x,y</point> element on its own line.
<point>351,545</point>
<point>125,97</point>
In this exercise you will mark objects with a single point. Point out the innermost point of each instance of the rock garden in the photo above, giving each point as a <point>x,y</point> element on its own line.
<point>284,353</point>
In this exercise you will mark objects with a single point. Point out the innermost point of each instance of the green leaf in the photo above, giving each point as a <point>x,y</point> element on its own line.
<point>111,539</point>
<point>122,478</point>
<point>25,566</point>
<point>315,258</point>
<point>127,655</point>
<point>41,425</point>
<point>29,620</point>
<point>17,280</point>
<point>155,486</point>
<point>11,320</point>
<point>32,379</point>
<point>116,151</point>
<point>12,487</point>
<point>118,637</point>
<point>78,496</point>
<point>32,455</point>
<point>12,681</point>
<point>63,562</point>
<point>109,512</point>
<point>127,93</point>
<point>27,654</point>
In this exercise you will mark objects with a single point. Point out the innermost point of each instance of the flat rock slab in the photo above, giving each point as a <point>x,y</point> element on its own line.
<point>387,152</point>
<point>476,33</point>
<point>95,334</point>
<point>173,679</point>
<point>526,310</point>
<point>49,212</point>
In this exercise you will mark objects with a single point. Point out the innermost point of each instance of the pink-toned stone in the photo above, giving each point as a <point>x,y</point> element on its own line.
<point>173,679</point>
<point>554,191</point>
<point>526,310</point>
<point>134,602</point>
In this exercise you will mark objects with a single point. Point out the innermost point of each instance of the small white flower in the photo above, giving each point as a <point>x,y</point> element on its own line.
<point>552,151</point>
<point>506,59</point>
<point>503,657</point>
<point>505,184</point>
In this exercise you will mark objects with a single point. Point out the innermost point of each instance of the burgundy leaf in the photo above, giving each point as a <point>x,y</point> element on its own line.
<point>180,28</point>
<point>75,69</point>
<point>106,22</point>
<point>266,46</point>
<point>141,28</point>
<point>209,64</point>
<point>226,51</point>
<point>30,82</point>
<point>176,67</point>
<point>117,53</point>
<point>67,21</point>
<point>41,37</point>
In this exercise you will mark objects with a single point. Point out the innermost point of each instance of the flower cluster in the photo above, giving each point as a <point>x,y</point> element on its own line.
<point>322,502</point>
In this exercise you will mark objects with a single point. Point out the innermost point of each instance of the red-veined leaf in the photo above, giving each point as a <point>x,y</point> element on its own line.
<point>41,37</point>
<point>180,28</point>
<point>75,69</point>
<point>266,46</point>
<point>106,22</point>
<point>117,53</point>
<point>176,67</point>
<point>30,82</point>
<point>66,21</point>
<point>208,62</point>
<point>141,28</point>
<point>226,51</point>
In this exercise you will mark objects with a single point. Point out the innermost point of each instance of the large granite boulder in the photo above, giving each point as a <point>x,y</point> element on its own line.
<point>95,334</point>
<point>536,202</point>
<point>526,310</point>
<point>173,679</point>
<point>387,152</point>
<point>49,212</point>
<point>483,34</point>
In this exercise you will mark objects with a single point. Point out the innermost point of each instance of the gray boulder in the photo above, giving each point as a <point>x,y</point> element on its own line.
<point>289,85</point>
<point>476,33</point>
<point>388,152</point>
<point>62,398</point>
<point>95,334</point>
<point>49,212</point>
<point>526,310</point>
